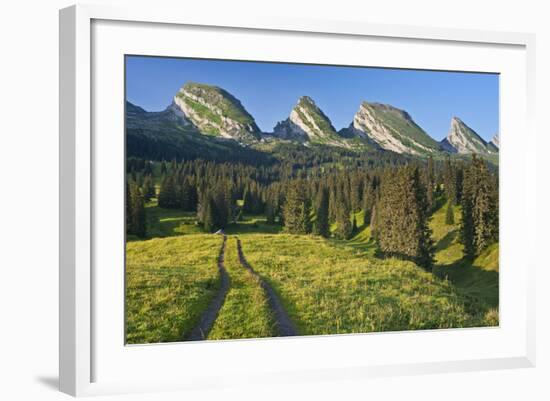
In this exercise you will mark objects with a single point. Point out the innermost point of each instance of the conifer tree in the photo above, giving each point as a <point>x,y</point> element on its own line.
<point>209,214</point>
<point>373,221</point>
<point>402,227</point>
<point>148,188</point>
<point>296,210</point>
<point>136,219</point>
<point>479,226</point>
<point>322,211</point>
<point>343,223</point>
<point>168,194</point>
<point>449,216</point>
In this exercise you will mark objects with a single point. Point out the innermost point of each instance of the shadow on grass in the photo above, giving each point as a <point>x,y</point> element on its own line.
<point>253,225</point>
<point>446,241</point>
<point>480,287</point>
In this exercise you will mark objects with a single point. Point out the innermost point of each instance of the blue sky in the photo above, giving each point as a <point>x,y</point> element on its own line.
<point>269,90</point>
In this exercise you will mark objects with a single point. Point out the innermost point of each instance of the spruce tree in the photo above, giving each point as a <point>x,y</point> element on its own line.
<point>321,222</point>
<point>343,224</point>
<point>209,214</point>
<point>479,227</point>
<point>449,216</point>
<point>373,221</point>
<point>168,193</point>
<point>402,226</point>
<point>296,210</point>
<point>136,219</point>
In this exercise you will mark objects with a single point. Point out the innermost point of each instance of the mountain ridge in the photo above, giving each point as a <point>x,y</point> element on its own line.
<point>211,111</point>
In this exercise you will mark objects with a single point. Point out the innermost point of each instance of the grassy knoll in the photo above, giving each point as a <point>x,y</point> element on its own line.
<point>169,282</point>
<point>476,280</point>
<point>246,312</point>
<point>329,288</point>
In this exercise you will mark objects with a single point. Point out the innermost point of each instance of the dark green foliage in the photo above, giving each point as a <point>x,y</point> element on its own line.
<point>148,188</point>
<point>449,216</point>
<point>168,193</point>
<point>429,182</point>
<point>344,228</point>
<point>373,223</point>
<point>402,226</point>
<point>322,210</point>
<point>479,227</point>
<point>297,210</point>
<point>136,211</point>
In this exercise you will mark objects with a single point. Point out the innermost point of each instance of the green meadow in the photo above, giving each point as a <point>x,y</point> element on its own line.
<point>327,286</point>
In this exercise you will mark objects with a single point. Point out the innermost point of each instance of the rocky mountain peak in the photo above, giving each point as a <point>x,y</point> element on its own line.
<point>216,112</point>
<point>392,129</point>
<point>307,122</point>
<point>463,139</point>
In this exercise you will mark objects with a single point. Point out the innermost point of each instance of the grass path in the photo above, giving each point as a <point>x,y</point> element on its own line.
<point>206,321</point>
<point>285,327</point>
<point>246,312</point>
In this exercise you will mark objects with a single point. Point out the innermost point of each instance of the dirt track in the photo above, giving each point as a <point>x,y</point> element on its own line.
<point>284,324</point>
<point>200,332</point>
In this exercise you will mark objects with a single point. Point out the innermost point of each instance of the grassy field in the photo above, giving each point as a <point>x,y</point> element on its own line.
<point>245,313</point>
<point>169,282</point>
<point>326,286</point>
<point>476,281</point>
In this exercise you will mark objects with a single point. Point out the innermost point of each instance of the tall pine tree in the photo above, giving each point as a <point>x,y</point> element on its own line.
<point>321,221</point>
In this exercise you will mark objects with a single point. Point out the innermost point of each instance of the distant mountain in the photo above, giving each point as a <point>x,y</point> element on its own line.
<point>169,134</point>
<point>391,129</point>
<point>308,123</point>
<point>205,121</point>
<point>495,142</point>
<point>216,112</point>
<point>464,140</point>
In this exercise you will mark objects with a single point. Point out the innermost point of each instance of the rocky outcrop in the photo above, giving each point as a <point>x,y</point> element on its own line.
<point>464,140</point>
<point>496,141</point>
<point>307,122</point>
<point>392,129</point>
<point>216,112</point>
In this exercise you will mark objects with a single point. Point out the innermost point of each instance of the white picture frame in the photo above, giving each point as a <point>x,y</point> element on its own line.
<point>83,344</point>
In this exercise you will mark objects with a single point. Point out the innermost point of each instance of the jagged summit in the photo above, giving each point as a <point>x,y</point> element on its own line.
<point>216,112</point>
<point>392,129</point>
<point>463,139</point>
<point>204,111</point>
<point>307,122</point>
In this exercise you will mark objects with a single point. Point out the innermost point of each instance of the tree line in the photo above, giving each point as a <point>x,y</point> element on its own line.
<point>396,200</point>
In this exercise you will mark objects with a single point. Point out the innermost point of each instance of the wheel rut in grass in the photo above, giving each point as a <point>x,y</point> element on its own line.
<point>284,324</point>
<point>200,332</point>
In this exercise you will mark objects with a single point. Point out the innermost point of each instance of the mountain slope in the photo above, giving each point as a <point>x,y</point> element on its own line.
<point>307,122</point>
<point>168,135</point>
<point>464,140</point>
<point>216,112</point>
<point>494,143</point>
<point>392,129</point>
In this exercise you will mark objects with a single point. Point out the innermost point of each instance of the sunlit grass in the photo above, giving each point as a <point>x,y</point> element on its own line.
<point>169,282</point>
<point>246,312</point>
<point>328,288</point>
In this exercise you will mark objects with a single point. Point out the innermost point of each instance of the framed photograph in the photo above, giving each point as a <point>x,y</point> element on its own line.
<point>269,200</point>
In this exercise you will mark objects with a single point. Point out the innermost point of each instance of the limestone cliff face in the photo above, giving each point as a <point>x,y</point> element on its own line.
<point>464,140</point>
<point>307,122</point>
<point>392,129</point>
<point>216,112</point>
